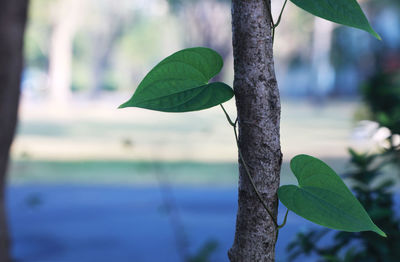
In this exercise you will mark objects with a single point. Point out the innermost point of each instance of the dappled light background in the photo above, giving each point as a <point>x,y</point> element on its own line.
<point>90,182</point>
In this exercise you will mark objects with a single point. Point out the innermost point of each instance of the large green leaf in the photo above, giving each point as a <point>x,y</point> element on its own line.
<point>345,12</point>
<point>323,198</point>
<point>179,83</point>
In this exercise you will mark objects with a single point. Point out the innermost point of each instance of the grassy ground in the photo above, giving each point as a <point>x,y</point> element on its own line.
<point>145,173</point>
<point>93,142</point>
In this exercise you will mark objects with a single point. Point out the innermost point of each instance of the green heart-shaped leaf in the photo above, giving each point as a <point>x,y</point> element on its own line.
<point>345,12</point>
<point>323,198</point>
<point>179,83</point>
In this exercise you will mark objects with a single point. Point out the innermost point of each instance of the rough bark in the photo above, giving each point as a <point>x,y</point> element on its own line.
<point>258,107</point>
<point>12,24</point>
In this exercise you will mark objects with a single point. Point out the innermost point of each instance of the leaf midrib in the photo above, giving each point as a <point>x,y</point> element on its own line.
<point>185,101</point>
<point>348,216</point>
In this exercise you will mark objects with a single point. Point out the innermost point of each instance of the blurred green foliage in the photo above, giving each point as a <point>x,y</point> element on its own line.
<point>377,198</point>
<point>205,252</point>
<point>382,94</point>
<point>373,189</point>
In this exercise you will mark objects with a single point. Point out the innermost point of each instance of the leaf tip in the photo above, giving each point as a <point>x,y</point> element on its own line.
<point>377,230</point>
<point>123,105</point>
<point>380,232</point>
<point>378,37</point>
<point>375,34</point>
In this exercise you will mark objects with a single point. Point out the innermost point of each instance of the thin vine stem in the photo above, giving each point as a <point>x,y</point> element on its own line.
<point>268,4</point>
<point>275,25</point>
<point>281,225</point>
<point>273,34</point>
<point>252,181</point>
<point>234,125</point>
<point>280,14</point>
<point>284,220</point>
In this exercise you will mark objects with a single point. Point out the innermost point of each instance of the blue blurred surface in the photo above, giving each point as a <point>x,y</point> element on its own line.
<point>69,223</point>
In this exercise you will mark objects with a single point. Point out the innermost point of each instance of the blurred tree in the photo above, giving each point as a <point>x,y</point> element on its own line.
<point>64,25</point>
<point>205,25</point>
<point>37,36</point>
<point>322,77</point>
<point>112,22</point>
<point>12,25</point>
<point>115,43</point>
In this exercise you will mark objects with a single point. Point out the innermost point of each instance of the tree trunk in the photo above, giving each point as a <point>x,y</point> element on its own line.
<point>64,28</point>
<point>12,25</point>
<point>323,73</point>
<point>258,107</point>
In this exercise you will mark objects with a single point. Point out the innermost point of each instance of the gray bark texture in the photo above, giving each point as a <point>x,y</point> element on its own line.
<point>258,107</point>
<point>12,24</point>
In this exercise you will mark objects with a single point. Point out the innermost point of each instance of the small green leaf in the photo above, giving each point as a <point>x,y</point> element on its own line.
<point>179,83</point>
<point>345,12</point>
<point>323,198</point>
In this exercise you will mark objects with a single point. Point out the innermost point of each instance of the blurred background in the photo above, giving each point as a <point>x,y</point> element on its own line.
<point>89,182</point>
